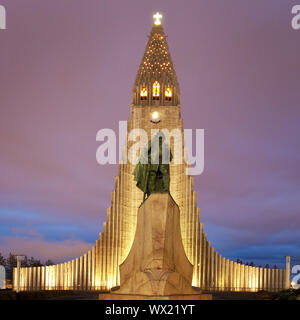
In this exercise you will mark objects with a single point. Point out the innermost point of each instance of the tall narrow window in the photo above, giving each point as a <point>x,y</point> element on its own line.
<point>168,94</point>
<point>155,90</point>
<point>144,93</point>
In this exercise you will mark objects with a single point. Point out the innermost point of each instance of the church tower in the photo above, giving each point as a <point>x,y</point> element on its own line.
<point>156,82</point>
<point>155,105</point>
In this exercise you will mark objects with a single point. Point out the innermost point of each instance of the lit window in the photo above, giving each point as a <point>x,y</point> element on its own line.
<point>168,94</point>
<point>155,90</point>
<point>144,93</point>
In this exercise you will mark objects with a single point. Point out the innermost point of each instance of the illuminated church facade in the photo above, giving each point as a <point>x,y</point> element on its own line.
<point>155,95</point>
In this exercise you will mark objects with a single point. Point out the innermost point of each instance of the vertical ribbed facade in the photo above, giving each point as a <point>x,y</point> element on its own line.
<point>98,269</point>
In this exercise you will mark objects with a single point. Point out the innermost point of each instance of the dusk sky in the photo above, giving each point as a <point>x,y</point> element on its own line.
<point>67,70</point>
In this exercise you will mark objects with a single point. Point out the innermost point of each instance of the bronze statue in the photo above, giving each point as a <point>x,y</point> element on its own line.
<point>152,172</point>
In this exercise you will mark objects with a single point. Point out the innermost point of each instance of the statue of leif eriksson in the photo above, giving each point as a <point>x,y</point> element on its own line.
<point>152,172</point>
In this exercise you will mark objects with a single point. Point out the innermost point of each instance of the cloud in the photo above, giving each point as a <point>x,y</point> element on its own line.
<point>57,251</point>
<point>241,87</point>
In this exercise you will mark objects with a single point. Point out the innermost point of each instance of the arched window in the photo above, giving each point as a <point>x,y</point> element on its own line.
<point>144,93</point>
<point>168,94</point>
<point>155,90</point>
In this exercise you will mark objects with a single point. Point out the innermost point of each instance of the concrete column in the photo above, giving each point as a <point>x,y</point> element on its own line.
<point>62,276</point>
<point>269,279</point>
<point>287,272</point>
<point>94,268</point>
<point>226,275</point>
<point>67,275</point>
<point>256,278</point>
<point>18,273</point>
<point>58,276</point>
<point>53,276</point>
<point>42,278</point>
<point>25,278</point>
<point>238,276</point>
<point>21,279</point>
<point>104,257</point>
<point>248,277</point>
<point>14,279</point>
<point>223,273</point>
<point>219,272</point>
<point>73,275</point>
<point>81,272</point>
<point>215,279</point>
<point>89,270</point>
<point>196,264</point>
<point>101,275</point>
<point>112,245</point>
<point>108,247</point>
<point>273,279</point>
<point>76,280</point>
<point>64,265</point>
<point>242,277</point>
<point>264,277</point>
<point>200,254</point>
<point>85,271</point>
<point>195,221</point>
<point>251,278</point>
<point>280,279</point>
<point>46,278</point>
<point>117,252</point>
<point>34,278</point>
<point>260,279</point>
<point>277,280</point>
<point>30,278</point>
<point>208,266</point>
<point>38,278</point>
<point>231,276</point>
<point>283,278</point>
<point>212,255</point>
<point>204,249</point>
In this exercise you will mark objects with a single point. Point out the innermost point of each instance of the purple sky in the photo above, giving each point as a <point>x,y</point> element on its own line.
<point>67,68</point>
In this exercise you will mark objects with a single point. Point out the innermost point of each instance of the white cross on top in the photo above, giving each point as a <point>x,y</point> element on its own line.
<point>157,18</point>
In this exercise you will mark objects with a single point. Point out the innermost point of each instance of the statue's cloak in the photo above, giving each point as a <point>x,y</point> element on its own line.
<point>152,170</point>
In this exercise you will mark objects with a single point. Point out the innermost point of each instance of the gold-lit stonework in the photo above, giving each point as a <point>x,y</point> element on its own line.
<point>98,269</point>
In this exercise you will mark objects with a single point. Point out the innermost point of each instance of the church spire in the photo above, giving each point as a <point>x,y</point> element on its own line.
<point>156,81</point>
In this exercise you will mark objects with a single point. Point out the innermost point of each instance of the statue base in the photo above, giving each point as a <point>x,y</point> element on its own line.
<point>157,267</point>
<point>118,296</point>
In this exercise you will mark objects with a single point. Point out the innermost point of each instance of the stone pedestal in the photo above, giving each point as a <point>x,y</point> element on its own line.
<point>156,267</point>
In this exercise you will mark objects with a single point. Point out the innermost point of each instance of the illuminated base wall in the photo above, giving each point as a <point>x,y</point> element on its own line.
<point>98,269</point>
